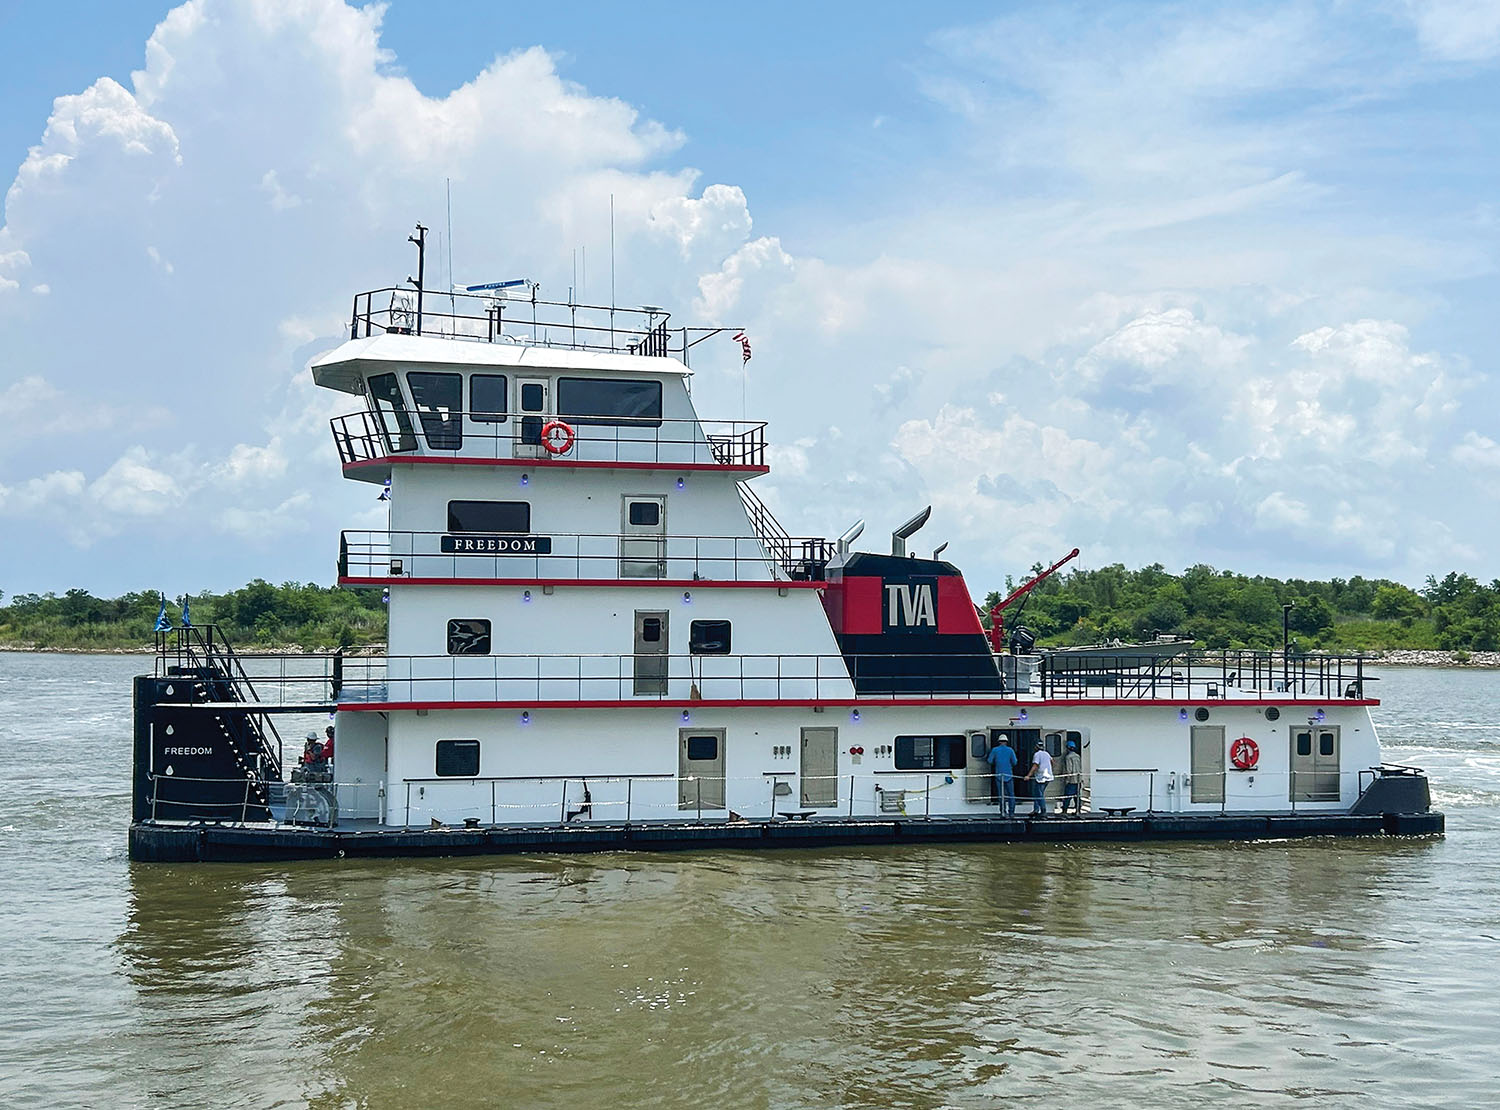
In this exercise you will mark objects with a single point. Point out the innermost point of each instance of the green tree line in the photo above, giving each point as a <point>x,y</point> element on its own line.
<point>1219,609</point>
<point>256,615</point>
<point>1222,609</point>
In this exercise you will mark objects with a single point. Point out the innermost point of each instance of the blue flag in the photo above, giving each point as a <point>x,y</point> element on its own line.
<point>186,621</point>
<point>162,624</point>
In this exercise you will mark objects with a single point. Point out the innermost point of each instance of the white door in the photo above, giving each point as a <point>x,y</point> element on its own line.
<point>534,404</point>
<point>643,537</point>
<point>700,768</point>
<point>820,767</point>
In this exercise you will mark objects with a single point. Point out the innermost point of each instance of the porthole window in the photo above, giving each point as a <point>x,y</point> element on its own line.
<point>468,636</point>
<point>457,758</point>
<point>708,638</point>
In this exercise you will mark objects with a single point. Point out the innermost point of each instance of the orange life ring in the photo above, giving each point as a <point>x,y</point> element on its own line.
<point>557,437</point>
<point>1244,753</point>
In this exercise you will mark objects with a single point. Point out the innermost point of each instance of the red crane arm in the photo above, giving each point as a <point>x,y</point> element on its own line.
<point>997,623</point>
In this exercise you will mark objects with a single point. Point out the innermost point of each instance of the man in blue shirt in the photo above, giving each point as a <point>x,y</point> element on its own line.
<point>1003,759</point>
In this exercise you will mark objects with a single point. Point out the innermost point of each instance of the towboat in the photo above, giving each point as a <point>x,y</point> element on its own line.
<point>600,637</point>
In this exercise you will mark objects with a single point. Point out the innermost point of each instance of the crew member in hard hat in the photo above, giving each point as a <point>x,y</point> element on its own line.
<point>1072,779</point>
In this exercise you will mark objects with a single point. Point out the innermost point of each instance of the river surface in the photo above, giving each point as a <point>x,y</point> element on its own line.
<point>1314,973</point>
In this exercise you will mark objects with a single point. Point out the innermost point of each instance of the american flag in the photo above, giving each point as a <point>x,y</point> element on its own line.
<point>744,341</point>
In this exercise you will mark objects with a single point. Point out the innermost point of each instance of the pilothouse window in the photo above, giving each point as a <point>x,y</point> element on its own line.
<point>390,409</point>
<point>439,399</point>
<point>609,401</point>
<point>489,399</point>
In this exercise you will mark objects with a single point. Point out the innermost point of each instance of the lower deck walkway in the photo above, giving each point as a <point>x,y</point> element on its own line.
<point>168,843</point>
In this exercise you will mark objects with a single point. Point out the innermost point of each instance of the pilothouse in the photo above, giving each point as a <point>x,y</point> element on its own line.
<point>599,635</point>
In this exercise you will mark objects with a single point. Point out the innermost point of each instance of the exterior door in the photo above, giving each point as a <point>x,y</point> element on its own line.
<point>643,537</point>
<point>820,767</point>
<point>534,403</point>
<point>650,652</point>
<point>1315,763</point>
<point>1207,744</point>
<point>700,768</point>
<point>979,776</point>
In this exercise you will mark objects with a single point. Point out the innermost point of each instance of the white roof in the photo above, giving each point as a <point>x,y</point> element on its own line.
<point>344,366</point>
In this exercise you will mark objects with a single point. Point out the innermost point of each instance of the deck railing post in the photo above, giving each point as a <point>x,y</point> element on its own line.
<point>927,798</point>
<point>562,813</point>
<point>629,782</point>
<point>406,821</point>
<point>1150,791</point>
<point>155,790</point>
<point>1223,792</point>
<point>1292,788</point>
<point>851,795</point>
<point>699,783</point>
<point>492,801</point>
<point>245,803</point>
<point>775,782</point>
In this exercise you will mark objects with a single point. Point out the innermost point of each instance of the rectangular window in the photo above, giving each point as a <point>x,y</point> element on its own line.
<point>390,409</point>
<point>489,399</point>
<point>645,514</point>
<point>469,637</point>
<point>609,401</point>
<point>931,753</point>
<point>703,747</point>
<point>708,638</point>
<point>1325,743</point>
<point>1304,743</point>
<point>533,397</point>
<point>651,630</point>
<point>489,516</point>
<point>439,399</point>
<point>457,758</point>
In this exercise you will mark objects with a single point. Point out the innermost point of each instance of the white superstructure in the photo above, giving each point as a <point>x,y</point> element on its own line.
<point>592,618</point>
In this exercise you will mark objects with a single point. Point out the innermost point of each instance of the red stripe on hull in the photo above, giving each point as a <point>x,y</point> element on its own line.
<point>859,703</point>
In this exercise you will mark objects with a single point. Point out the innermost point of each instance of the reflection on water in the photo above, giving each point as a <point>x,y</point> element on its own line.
<point>1325,972</point>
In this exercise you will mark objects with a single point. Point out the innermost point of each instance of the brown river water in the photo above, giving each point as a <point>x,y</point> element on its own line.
<point>1315,973</point>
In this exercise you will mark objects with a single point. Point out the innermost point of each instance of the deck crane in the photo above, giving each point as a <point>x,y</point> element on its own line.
<point>997,622</point>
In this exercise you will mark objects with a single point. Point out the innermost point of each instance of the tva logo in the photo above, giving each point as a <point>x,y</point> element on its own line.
<point>911,606</point>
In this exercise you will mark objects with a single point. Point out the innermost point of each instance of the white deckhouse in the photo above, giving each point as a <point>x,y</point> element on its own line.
<point>599,635</point>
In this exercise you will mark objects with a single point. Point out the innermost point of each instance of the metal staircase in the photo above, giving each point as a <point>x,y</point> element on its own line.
<point>802,559</point>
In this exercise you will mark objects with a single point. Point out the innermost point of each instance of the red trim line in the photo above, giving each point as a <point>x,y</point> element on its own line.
<point>846,703</point>
<point>671,583</point>
<point>535,464</point>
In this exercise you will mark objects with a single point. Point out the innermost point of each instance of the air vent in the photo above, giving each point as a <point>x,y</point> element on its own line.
<point>1272,713</point>
<point>1200,714</point>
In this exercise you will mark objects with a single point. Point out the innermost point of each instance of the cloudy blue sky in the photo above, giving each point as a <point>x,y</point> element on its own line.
<point>1169,282</point>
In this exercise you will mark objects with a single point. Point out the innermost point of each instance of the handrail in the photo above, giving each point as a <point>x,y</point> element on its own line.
<point>501,316</point>
<point>367,436</point>
<point>399,554</point>
<point>613,798</point>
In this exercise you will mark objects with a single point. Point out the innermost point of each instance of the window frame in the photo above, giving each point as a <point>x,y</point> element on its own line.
<point>452,751</point>
<point>650,420</point>
<point>695,641</point>
<point>453,527</point>
<point>486,415</point>
<point>488,635</point>
<point>403,437</point>
<point>955,745</point>
<point>442,425</point>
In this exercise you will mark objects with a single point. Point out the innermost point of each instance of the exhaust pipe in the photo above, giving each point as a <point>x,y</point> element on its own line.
<point>907,530</point>
<point>848,538</point>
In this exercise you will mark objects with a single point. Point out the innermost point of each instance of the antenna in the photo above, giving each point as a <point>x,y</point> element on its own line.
<point>452,306</point>
<point>420,239</point>
<point>611,271</point>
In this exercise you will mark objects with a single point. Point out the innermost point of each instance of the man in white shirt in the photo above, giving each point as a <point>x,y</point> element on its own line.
<point>1039,776</point>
